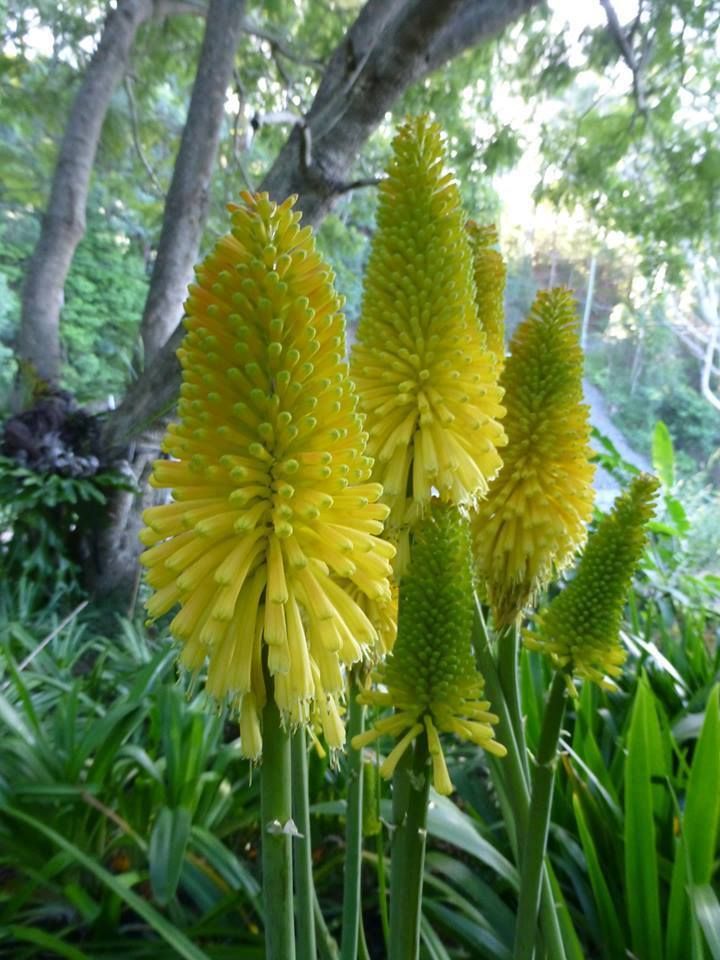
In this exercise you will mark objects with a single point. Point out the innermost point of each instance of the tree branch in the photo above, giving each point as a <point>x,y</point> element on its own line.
<point>171,8</point>
<point>278,43</point>
<point>134,129</point>
<point>628,54</point>
<point>475,21</point>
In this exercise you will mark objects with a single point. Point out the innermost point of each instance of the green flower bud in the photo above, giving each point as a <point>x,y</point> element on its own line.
<point>580,628</point>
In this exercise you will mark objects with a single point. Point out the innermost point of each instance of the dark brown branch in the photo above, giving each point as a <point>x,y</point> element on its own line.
<point>475,21</point>
<point>135,131</point>
<point>635,65</point>
<point>188,198</point>
<point>341,188</point>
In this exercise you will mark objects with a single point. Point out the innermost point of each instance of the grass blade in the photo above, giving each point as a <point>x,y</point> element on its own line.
<point>644,760</point>
<point>707,910</point>
<point>174,937</point>
<point>48,941</point>
<point>613,942</point>
<point>700,822</point>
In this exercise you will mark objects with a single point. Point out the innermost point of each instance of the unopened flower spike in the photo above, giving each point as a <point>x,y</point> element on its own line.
<point>430,679</point>
<point>490,274</point>
<point>273,506</point>
<point>580,629</point>
<point>426,380</point>
<point>536,513</point>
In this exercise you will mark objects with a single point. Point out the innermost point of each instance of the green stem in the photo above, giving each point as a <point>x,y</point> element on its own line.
<point>276,811</point>
<point>411,786</point>
<point>539,821</point>
<point>511,765</point>
<point>512,778</point>
<point>508,653</point>
<point>304,886</point>
<point>382,890</point>
<point>353,831</point>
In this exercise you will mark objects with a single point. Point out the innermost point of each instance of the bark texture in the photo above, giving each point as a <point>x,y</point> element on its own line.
<point>186,206</point>
<point>392,44</point>
<point>135,444</point>
<point>63,223</point>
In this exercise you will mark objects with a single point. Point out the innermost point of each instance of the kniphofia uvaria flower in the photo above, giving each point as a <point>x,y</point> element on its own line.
<point>535,515</point>
<point>274,513</point>
<point>430,679</point>
<point>489,272</point>
<point>580,629</point>
<point>426,380</point>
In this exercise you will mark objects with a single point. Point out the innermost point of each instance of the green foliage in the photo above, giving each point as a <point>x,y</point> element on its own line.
<point>119,797</point>
<point>44,518</point>
<point>645,161</point>
<point>104,298</point>
<point>645,378</point>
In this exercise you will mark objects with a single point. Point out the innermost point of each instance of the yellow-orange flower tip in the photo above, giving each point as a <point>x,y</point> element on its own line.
<point>427,383</point>
<point>580,629</point>
<point>273,502</point>
<point>430,679</point>
<point>536,513</point>
<point>490,274</point>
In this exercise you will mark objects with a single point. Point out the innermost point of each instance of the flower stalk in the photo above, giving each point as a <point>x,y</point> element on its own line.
<point>539,820</point>
<point>511,777</point>
<point>351,914</point>
<point>275,813</point>
<point>411,787</point>
<point>303,875</point>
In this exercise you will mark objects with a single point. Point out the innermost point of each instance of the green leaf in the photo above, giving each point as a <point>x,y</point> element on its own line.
<point>226,864</point>
<point>699,826</point>
<point>663,454</point>
<point>707,911</point>
<point>47,941</point>
<point>432,942</point>
<point>643,761</point>
<point>450,825</point>
<point>177,940</point>
<point>613,944</point>
<point>168,843</point>
<point>483,942</point>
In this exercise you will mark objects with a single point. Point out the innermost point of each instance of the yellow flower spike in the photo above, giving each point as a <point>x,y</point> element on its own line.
<point>273,503</point>
<point>426,380</point>
<point>580,629</point>
<point>535,515</point>
<point>430,678</point>
<point>490,273</point>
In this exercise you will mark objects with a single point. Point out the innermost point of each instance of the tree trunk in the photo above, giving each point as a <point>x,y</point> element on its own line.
<point>63,223</point>
<point>186,206</point>
<point>392,44</point>
<point>185,215</point>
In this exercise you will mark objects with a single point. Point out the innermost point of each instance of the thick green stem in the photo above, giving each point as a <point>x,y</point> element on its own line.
<point>276,811</point>
<point>511,765</point>
<point>304,887</point>
<point>508,656</point>
<point>539,821</point>
<point>351,915</point>
<point>511,777</point>
<point>411,786</point>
